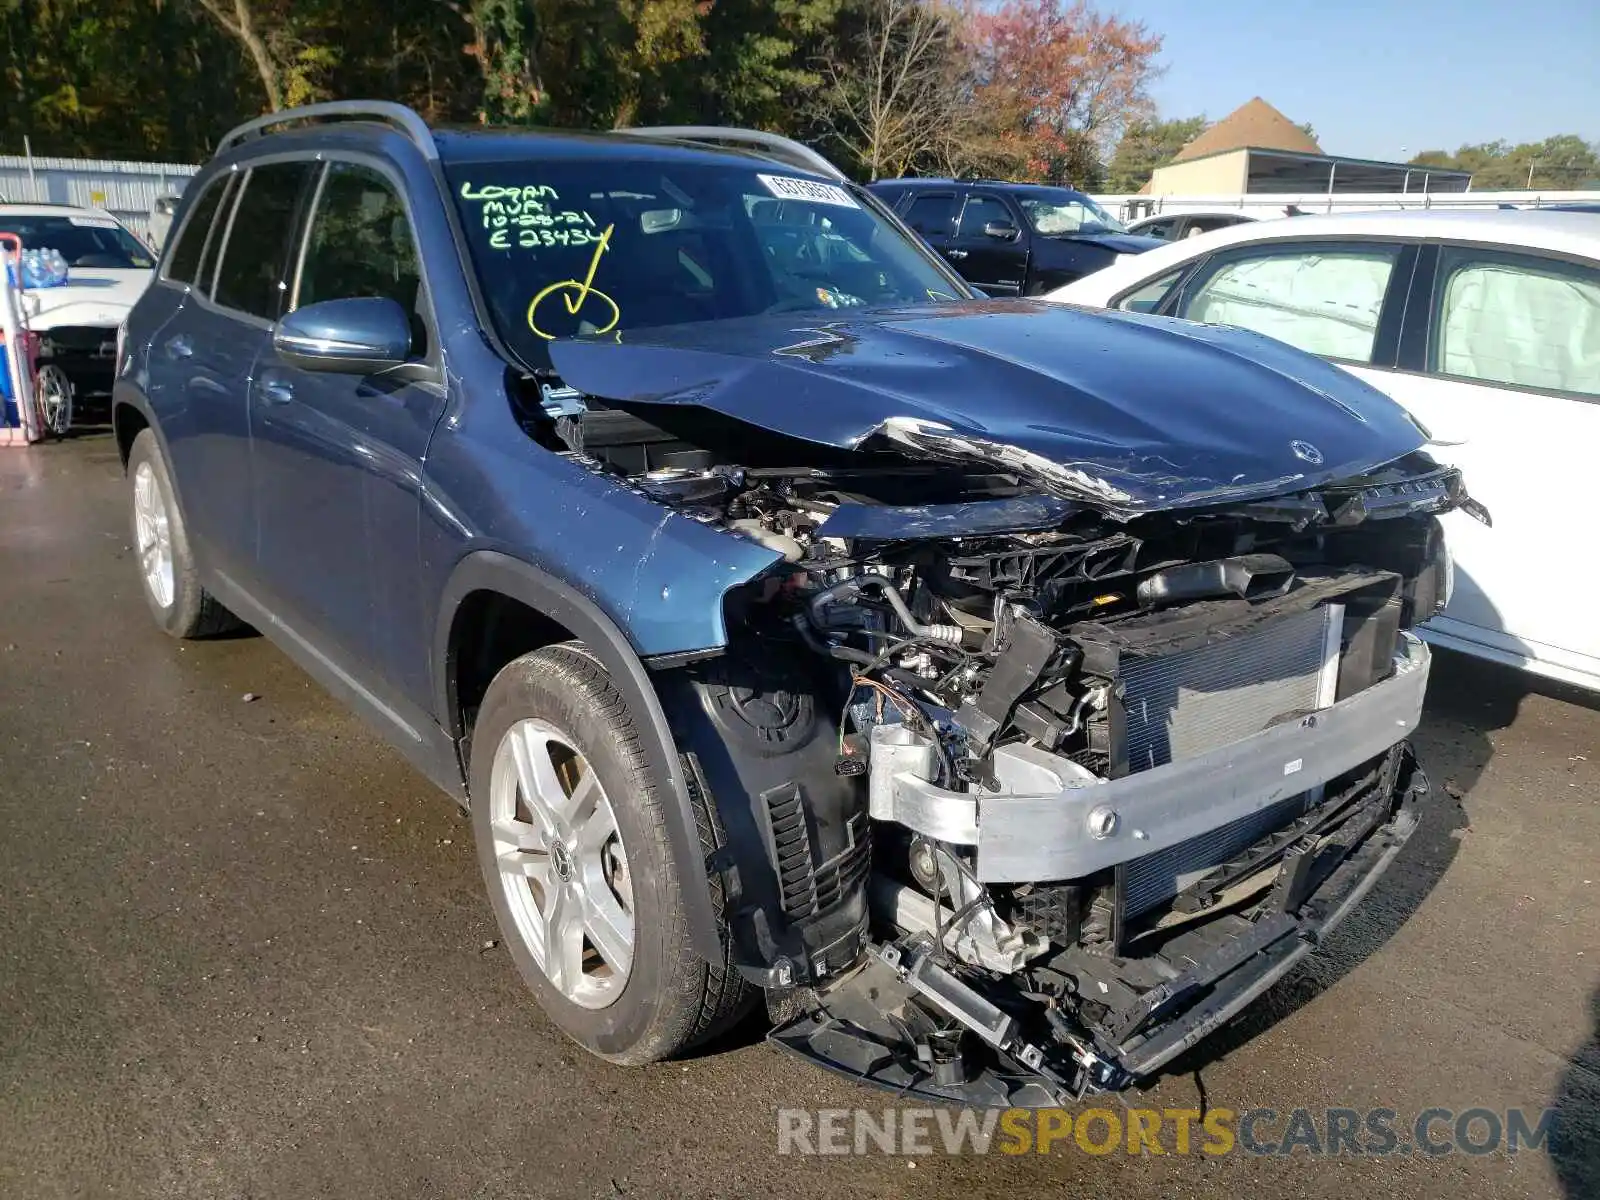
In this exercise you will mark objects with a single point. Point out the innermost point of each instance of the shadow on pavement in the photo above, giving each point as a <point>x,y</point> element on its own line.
<point>1575,1144</point>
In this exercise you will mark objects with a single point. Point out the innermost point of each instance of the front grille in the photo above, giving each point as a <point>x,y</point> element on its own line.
<point>92,341</point>
<point>1182,705</point>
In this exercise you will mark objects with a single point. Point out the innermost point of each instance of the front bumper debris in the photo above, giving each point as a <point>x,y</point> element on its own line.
<point>1043,1056</point>
<point>1023,838</point>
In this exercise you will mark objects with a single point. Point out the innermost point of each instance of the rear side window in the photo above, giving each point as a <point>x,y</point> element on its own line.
<point>933,216</point>
<point>251,274</point>
<point>183,264</point>
<point>1520,321</point>
<point>1325,301</point>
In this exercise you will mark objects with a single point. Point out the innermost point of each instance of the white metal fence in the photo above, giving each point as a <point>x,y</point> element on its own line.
<point>1268,204</point>
<point>127,190</point>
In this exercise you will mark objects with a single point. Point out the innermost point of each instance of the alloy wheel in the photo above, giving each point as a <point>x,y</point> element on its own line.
<point>562,864</point>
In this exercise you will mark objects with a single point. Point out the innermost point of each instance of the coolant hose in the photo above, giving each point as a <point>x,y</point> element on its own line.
<point>950,635</point>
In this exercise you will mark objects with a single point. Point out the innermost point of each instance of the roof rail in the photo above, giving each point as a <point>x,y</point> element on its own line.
<point>773,145</point>
<point>397,115</point>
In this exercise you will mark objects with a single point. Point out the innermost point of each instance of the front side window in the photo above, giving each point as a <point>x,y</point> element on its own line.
<point>84,240</point>
<point>361,242</point>
<point>250,276</point>
<point>1159,229</point>
<point>183,262</point>
<point>1148,297</point>
<point>1061,212</point>
<point>565,249</point>
<point>980,211</point>
<point>1325,301</point>
<point>1521,321</point>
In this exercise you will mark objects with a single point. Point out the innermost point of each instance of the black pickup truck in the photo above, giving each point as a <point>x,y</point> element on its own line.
<point>1012,239</point>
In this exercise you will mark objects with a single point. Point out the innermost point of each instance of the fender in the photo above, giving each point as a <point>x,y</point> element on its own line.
<point>128,395</point>
<point>487,570</point>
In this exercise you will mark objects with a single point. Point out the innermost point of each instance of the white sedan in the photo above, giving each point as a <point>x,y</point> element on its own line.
<point>1486,326</point>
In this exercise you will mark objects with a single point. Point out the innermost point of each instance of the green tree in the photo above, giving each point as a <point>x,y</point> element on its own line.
<point>1560,163</point>
<point>1146,145</point>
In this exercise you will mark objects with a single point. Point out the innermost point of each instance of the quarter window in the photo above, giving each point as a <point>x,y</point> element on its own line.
<point>1519,321</point>
<point>250,277</point>
<point>183,263</point>
<point>1320,300</point>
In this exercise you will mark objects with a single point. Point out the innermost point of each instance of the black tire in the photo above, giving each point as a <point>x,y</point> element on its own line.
<point>673,998</point>
<point>192,612</point>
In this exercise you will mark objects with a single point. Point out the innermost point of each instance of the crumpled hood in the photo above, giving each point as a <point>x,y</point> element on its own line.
<point>1130,412</point>
<point>96,296</point>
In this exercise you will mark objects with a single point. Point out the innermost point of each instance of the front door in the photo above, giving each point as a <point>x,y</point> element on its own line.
<point>999,265</point>
<point>338,457</point>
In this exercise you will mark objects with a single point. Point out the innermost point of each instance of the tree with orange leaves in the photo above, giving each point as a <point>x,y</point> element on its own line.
<point>1059,81</point>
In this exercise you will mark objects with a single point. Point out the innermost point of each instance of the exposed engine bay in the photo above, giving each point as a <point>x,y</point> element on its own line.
<point>1020,797</point>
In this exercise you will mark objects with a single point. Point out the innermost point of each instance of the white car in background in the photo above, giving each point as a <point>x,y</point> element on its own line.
<point>1175,227</point>
<point>108,268</point>
<point>1486,327</point>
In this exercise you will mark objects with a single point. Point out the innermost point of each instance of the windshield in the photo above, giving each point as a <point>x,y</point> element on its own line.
<point>604,247</point>
<point>84,241</point>
<point>1057,211</point>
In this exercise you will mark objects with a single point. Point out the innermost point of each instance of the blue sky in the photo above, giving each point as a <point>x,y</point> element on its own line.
<point>1383,80</point>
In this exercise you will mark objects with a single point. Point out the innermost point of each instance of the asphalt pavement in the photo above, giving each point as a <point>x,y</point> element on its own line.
<point>244,952</point>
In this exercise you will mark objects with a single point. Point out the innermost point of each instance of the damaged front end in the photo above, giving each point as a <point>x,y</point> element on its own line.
<point>1023,791</point>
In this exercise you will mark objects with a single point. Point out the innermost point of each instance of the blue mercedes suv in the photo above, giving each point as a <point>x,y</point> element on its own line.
<point>1003,693</point>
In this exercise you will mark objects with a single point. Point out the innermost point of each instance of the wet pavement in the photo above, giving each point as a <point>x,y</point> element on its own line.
<point>244,952</point>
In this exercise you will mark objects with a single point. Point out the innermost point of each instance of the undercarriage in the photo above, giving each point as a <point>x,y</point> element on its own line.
<point>1020,796</point>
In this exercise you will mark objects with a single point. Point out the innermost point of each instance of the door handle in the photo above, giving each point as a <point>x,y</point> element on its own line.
<point>179,347</point>
<point>277,391</point>
<point>955,253</point>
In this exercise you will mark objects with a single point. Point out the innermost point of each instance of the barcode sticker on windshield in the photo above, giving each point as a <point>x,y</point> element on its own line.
<point>94,222</point>
<point>786,188</point>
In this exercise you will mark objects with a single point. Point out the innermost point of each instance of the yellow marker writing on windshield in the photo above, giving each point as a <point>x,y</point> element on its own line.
<point>574,304</point>
<point>575,294</point>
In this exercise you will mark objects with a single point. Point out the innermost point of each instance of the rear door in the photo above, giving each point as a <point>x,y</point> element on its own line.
<point>207,352</point>
<point>338,457</point>
<point>1502,355</point>
<point>933,215</point>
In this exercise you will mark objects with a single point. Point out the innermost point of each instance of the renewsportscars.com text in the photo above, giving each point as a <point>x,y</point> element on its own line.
<point>1326,1132</point>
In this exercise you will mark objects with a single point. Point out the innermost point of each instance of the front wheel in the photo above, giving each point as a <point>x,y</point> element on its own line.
<point>53,390</point>
<point>570,824</point>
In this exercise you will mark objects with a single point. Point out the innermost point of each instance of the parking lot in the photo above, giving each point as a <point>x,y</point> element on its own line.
<point>244,951</point>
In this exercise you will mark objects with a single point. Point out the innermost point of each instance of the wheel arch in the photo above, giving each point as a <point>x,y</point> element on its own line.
<point>129,415</point>
<point>567,614</point>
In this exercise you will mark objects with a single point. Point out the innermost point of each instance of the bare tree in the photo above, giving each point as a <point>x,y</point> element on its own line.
<point>899,92</point>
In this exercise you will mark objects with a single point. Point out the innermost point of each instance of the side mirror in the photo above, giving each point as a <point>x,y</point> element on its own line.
<point>1002,230</point>
<point>358,336</point>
